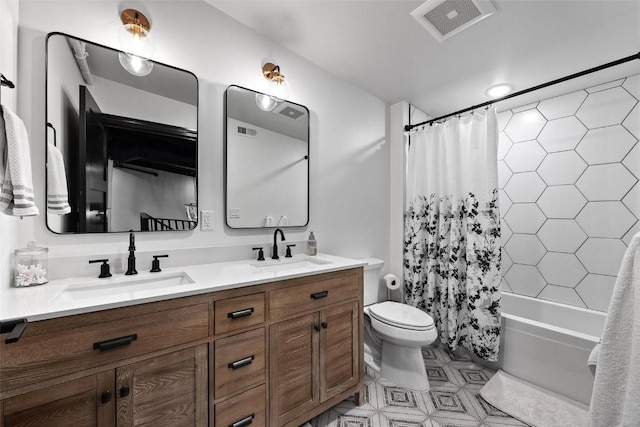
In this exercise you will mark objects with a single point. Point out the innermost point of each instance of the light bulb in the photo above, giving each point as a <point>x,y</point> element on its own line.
<point>135,65</point>
<point>279,88</point>
<point>499,90</point>
<point>134,39</point>
<point>265,102</point>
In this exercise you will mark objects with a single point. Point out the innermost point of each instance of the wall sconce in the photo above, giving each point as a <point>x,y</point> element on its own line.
<point>136,42</point>
<point>278,89</point>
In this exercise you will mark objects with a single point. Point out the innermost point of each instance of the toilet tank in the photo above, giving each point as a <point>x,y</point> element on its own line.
<point>372,285</point>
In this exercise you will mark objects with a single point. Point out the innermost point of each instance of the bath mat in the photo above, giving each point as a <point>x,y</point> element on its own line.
<point>531,404</point>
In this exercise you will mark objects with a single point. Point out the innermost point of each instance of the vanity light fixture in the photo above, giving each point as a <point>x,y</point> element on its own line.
<point>136,42</point>
<point>277,91</point>
<point>499,90</point>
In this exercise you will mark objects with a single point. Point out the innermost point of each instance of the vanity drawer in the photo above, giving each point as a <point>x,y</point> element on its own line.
<point>246,409</point>
<point>232,314</point>
<point>239,362</point>
<point>298,298</point>
<point>41,357</point>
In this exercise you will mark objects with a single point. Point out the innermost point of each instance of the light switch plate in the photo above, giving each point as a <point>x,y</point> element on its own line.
<point>206,220</point>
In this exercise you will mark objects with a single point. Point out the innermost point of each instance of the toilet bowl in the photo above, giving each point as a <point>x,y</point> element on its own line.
<point>394,335</point>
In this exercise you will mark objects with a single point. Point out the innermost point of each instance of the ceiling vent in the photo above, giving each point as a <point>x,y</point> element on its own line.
<point>444,18</point>
<point>289,111</point>
<point>244,131</point>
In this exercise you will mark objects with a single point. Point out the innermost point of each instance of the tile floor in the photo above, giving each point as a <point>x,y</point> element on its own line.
<point>453,400</point>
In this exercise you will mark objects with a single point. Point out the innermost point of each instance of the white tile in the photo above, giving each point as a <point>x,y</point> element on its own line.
<point>504,202</point>
<point>525,156</point>
<point>606,108</point>
<point>525,249</point>
<point>525,107</point>
<point>606,145</point>
<point>504,145</point>
<point>563,201</point>
<point>505,262</point>
<point>504,173</point>
<point>561,294</point>
<point>632,232</point>
<point>632,200</point>
<point>562,106</point>
<point>596,290</point>
<point>632,161</point>
<point>605,219</point>
<point>525,280</point>
<point>632,85</point>
<point>525,187</point>
<point>505,232</point>
<point>632,122</point>
<point>561,235</point>
<point>606,182</point>
<point>525,218</point>
<point>525,126</point>
<point>562,168</point>
<point>562,134</point>
<point>561,269</point>
<point>503,119</point>
<point>604,86</point>
<point>504,286</point>
<point>602,256</point>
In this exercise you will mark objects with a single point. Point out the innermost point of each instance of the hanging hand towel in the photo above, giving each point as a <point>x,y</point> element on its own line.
<point>16,188</point>
<point>616,388</point>
<point>57,195</point>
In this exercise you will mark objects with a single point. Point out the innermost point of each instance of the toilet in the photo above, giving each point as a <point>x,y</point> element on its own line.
<point>394,334</point>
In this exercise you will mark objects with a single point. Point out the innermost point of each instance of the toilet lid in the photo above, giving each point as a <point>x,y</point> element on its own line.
<point>401,315</point>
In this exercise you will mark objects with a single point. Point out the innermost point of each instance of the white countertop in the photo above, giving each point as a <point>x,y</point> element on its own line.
<point>83,295</point>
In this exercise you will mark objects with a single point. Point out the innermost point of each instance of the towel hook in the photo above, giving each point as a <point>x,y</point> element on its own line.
<point>55,136</point>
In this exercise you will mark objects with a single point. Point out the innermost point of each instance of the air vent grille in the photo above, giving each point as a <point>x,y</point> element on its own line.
<point>289,111</point>
<point>246,131</point>
<point>444,18</point>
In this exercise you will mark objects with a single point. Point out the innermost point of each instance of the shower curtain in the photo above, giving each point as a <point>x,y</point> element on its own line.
<point>452,231</point>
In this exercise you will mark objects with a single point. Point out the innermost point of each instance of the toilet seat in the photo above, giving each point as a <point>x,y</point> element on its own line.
<point>401,316</point>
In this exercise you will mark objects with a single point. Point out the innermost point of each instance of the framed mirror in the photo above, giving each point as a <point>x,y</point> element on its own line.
<point>123,147</point>
<point>266,161</point>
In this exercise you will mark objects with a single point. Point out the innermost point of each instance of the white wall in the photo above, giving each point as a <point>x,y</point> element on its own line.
<point>349,188</point>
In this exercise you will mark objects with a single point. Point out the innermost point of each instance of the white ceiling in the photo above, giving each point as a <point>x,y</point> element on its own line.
<point>379,47</point>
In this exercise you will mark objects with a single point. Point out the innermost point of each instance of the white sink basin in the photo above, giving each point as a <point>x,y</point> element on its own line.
<point>288,264</point>
<point>126,285</point>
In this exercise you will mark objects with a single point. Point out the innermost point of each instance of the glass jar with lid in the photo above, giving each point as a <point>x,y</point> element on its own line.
<point>30,266</point>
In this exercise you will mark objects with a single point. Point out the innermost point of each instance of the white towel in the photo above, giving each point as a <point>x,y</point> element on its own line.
<point>616,390</point>
<point>57,195</point>
<point>16,186</point>
<point>592,360</point>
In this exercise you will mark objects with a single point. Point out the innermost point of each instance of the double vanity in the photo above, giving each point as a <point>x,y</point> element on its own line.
<point>230,344</point>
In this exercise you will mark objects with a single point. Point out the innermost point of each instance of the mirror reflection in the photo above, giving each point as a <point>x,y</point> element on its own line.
<point>122,150</point>
<point>267,161</point>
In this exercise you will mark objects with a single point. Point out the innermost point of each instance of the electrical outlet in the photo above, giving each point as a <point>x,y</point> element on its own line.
<point>206,220</point>
<point>234,213</point>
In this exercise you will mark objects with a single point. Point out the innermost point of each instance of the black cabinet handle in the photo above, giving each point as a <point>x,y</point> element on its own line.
<point>240,313</point>
<point>115,343</point>
<point>324,325</point>
<point>15,328</point>
<point>124,391</point>
<point>106,396</point>
<point>316,327</point>
<point>243,422</point>
<point>319,295</point>
<point>240,363</point>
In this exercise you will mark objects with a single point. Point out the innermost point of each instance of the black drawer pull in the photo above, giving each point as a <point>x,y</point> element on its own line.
<point>106,396</point>
<point>324,325</point>
<point>243,422</point>
<point>240,313</point>
<point>124,391</point>
<point>240,363</point>
<point>115,343</point>
<point>15,328</point>
<point>319,295</point>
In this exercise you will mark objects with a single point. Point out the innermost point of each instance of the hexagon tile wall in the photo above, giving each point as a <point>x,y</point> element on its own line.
<point>568,169</point>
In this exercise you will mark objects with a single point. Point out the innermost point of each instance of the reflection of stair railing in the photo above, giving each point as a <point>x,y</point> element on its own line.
<point>149,223</point>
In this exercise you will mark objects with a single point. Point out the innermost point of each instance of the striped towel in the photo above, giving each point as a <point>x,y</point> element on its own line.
<point>16,183</point>
<point>57,195</point>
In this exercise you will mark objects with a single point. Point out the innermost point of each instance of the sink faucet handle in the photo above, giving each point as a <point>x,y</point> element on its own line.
<point>288,254</point>
<point>260,253</point>
<point>104,268</point>
<point>155,265</point>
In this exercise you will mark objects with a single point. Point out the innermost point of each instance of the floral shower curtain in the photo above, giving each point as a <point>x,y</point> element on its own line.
<point>452,231</point>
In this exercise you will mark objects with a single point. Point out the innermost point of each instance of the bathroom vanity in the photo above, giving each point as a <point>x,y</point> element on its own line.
<point>275,347</point>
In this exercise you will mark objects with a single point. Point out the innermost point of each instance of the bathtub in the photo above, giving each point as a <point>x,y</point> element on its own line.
<point>548,344</point>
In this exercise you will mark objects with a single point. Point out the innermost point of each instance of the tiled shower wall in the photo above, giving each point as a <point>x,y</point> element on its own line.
<point>569,192</point>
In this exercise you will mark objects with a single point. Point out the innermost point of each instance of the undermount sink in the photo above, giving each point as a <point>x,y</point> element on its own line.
<point>126,285</point>
<point>288,264</point>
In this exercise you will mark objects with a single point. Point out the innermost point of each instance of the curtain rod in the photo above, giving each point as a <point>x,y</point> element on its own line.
<point>532,89</point>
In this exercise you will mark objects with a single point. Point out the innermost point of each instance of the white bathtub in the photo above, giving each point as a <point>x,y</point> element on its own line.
<point>548,344</point>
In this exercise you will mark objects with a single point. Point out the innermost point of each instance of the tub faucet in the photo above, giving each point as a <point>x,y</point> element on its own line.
<point>131,262</point>
<point>275,242</point>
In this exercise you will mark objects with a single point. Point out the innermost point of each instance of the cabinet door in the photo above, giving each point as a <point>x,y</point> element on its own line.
<point>294,368</point>
<point>75,403</point>
<point>169,390</point>
<point>339,355</point>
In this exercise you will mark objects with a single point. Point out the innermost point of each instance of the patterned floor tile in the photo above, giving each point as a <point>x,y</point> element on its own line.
<point>449,419</point>
<point>403,420</point>
<point>357,419</point>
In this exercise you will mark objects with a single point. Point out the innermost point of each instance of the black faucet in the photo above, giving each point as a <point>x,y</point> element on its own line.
<point>131,263</point>
<point>275,244</point>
